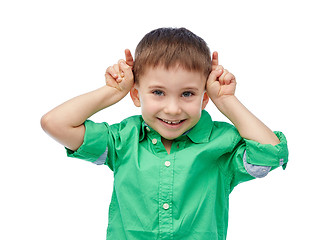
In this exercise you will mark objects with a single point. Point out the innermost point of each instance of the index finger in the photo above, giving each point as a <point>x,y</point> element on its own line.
<point>215,60</point>
<point>129,58</point>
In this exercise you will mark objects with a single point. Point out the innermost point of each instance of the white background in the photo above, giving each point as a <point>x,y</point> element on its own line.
<point>280,51</point>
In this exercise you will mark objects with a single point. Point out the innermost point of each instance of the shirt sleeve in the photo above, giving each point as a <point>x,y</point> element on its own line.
<point>267,154</point>
<point>97,145</point>
<point>251,159</point>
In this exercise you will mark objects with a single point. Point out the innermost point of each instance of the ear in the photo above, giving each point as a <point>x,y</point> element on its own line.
<point>135,96</point>
<point>205,100</point>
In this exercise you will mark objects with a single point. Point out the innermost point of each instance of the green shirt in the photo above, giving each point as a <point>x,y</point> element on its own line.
<point>182,195</point>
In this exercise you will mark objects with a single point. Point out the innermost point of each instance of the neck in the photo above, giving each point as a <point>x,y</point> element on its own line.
<point>167,144</point>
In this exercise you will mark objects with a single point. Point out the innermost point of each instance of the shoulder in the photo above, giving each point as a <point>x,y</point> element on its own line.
<point>224,128</point>
<point>127,125</point>
<point>133,121</point>
<point>217,130</point>
<point>225,134</point>
<point>130,126</point>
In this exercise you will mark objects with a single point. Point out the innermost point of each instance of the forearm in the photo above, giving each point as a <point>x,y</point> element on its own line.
<point>76,110</point>
<point>65,122</point>
<point>247,124</point>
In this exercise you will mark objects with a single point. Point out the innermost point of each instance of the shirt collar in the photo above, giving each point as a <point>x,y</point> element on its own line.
<point>198,134</point>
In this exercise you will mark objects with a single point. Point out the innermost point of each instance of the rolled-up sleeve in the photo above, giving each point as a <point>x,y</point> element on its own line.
<point>267,154</point>
<point>250,159</point>
<point>256,171</point>
<point>95,145</point>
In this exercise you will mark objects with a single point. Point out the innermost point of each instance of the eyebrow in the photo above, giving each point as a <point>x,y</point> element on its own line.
<point>191,88</point>
<point>156,86</point>
<point>183,89</point>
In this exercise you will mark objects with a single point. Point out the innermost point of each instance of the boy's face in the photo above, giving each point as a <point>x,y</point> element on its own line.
<point>171,100</point>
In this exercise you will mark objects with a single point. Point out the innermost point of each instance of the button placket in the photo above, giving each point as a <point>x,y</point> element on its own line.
<point>165,196</point>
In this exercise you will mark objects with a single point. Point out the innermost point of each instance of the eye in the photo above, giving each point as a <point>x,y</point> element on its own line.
<point>158,93</point>
<point>187,94</point>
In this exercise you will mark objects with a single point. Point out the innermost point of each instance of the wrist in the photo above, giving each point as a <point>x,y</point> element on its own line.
<point>110,95</point>
<point>226,104</point>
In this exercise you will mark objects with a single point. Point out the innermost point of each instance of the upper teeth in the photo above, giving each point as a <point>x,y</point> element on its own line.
<point>170,122</point>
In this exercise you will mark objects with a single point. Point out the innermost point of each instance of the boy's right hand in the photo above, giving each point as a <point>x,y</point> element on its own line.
<point>120,76</point>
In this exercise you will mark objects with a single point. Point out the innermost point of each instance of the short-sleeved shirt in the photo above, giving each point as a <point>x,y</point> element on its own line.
<point>182,195</point>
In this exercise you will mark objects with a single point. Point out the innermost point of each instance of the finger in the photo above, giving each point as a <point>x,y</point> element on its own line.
<point>118,72</point>
<point>109,79</point>
<point>121,67</point>
<point>222,77</point>
<point>126,70</point>
<point>129,58</point>
<point>230,77</point>
<point>110,82</point>
<point>110,70</point>
<point>215,74</point>
<point>215,60</point>
<point>227,78</point>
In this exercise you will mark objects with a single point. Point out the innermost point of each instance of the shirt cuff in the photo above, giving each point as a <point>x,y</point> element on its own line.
<point>267,154</point>
<point>94,147</point>
<point>256,171</point>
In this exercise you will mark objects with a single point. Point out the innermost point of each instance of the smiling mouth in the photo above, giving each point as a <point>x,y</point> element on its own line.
<point>171,122</point>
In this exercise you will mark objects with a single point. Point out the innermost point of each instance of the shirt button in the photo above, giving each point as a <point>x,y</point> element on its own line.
<point>166,206</point>
<point>154,141</point>
<point>167,163</point>
<point>148,129</point>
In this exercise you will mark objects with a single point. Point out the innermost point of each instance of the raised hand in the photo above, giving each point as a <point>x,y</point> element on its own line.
<point>221,83</point>
<point>120,75</point>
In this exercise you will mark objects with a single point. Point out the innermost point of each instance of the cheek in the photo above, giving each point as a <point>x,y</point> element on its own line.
<point>149,106</point>
<point>194,108</point>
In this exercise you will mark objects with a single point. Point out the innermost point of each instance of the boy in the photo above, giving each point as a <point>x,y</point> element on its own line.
<point>174,168</point>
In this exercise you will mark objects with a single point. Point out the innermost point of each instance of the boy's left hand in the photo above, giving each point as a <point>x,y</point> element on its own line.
<point>221,83</point>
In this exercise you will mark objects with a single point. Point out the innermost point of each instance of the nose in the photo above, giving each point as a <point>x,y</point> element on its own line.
<point>172,107</point>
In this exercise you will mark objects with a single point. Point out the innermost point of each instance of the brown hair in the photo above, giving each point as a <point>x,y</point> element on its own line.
<point>169,47</point>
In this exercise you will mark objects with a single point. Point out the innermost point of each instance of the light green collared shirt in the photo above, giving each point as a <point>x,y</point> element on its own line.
<point>182,195</point>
